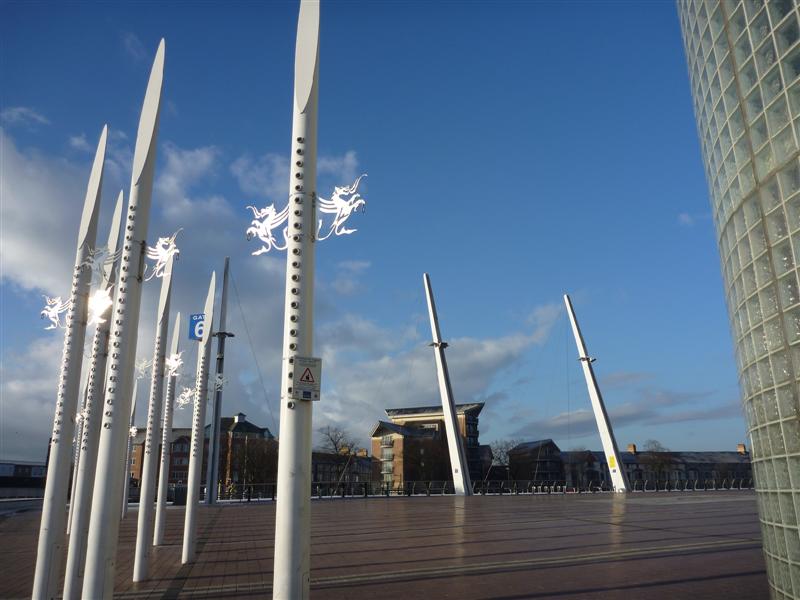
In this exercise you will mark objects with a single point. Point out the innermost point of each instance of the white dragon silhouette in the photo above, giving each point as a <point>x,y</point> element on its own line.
<point>164,249</point>
<point>52,311</point>
<point>344,202</point>
<point>96,262</point>
<point>173,363</point>
<point>99,302</point>
<point>264,222</point>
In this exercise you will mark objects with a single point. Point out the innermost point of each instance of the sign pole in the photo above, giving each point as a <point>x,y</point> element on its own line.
<point>212,473</point>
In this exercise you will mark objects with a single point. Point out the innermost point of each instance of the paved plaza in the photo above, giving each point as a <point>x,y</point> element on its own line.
<point>656,545</point>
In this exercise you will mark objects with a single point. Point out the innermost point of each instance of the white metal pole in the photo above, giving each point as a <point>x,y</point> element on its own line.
<point>127,486</point>
<point>292,563</point>
<point>166,441</point>
<point>144,529</point>
<point>455,443</point>
<point>52,531</point>
<point>619,478</point>
<point>212,476</point>
<point>198,430</point>
<point>76,455</point>
<point>104,522</point>
<point>76,554</point>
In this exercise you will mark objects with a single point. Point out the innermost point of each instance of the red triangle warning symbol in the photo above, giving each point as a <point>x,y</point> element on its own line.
<point>307,377</point>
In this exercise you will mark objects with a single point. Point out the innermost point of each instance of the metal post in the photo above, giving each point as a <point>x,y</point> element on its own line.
<point>166,442</point>
<point>292,563</point>
<point>198,430</point>
<point>76,456</point>
<point>619,478</point>
<point>455,443</point>
<point>52,530</point>
<point>90,432</point>
<point>212,473</point>
<point>104,522</point>
<point>127,486</point>
<point>144,527</point>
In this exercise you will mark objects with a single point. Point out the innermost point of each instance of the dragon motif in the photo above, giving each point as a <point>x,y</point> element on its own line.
<point>99,303</point>
<point>264,222</point>
<point>173,363</point>
<point>52,311</point>
<point>343,203</point>
<point>164,249</point>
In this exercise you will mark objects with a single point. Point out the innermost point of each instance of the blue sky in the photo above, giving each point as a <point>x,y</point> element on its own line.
<point>515,151</point>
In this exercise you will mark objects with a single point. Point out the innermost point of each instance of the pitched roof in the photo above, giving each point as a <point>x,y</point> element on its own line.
<point>386,427</point>
<point>472,408</point>
<point>230,424</point>
<point>535,445</point>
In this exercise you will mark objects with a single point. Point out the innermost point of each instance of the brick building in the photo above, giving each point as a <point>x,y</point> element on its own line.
<point>412,445</point>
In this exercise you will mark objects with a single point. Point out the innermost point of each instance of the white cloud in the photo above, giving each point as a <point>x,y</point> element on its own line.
<point>22,115</point>
<point>185,169</point>
<point>268,175</point>
<point>685,219</point>
<point>133,46</point>
<point>39,215</point>
<point>79,142</point>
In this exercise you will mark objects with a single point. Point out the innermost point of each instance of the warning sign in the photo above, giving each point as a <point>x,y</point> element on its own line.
<point>306,380</point>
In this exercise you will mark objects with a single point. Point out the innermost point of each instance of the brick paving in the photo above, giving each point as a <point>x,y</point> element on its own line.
<point>657,545</point>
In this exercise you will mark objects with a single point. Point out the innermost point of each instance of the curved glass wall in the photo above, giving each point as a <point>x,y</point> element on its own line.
<point>744,67</point>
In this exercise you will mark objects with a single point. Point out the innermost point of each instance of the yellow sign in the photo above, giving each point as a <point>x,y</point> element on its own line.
<point>612,462</point>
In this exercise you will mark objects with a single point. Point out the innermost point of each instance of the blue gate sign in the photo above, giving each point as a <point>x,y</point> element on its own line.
<point>196,326</point>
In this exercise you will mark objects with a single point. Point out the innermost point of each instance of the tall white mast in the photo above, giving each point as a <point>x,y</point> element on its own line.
<point>126,488</point>
<point>144,528</point>
<point>90,432</point>
<point>292,565</point>
<point>101,551</point>
<point>198,430</point>
<point>619,478</point>
<point>52,530</point>
<point>212,476</point>
<point>166,436</point>
<point>455,443</point>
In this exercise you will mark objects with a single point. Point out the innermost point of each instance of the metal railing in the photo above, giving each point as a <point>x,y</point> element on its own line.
<point>258,492</point>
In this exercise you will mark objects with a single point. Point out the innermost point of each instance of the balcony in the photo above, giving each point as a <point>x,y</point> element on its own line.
<point>387,467</point>
<point>387,441</point>
<point>387,455</point>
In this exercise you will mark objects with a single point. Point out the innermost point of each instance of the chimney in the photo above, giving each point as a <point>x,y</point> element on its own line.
<point>741,449</point>
<point>632,448</point>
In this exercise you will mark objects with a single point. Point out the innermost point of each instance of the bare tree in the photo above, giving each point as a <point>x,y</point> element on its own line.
<point>500,450</point>
<point>336,440</point>
<point>658,459</point>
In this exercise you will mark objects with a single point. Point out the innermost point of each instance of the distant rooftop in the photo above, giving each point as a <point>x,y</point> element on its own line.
<point>472,408</point>
<point>386,427</point>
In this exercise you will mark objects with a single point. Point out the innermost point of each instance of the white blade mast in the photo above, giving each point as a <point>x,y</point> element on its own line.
<point>619,479</point>
<point>292,566</point>
<point>107,495</point>
<point>144,529</point>
<point>198,430</point>
<point>455,443</point>
<point>166,439</point>
<point>52,532</point>
<point>90,432</point>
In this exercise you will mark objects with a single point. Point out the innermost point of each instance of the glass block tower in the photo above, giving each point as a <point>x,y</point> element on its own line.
<point>744,67</point>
